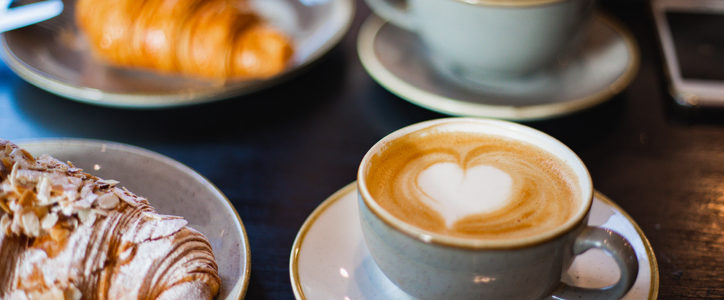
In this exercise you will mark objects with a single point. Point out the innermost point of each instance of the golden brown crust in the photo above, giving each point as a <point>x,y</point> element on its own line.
<point>260,51</point>
<point>217,39</point>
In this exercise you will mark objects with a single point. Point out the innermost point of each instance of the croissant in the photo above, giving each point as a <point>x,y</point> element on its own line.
<point>65,234</point>
<point>216,39</point>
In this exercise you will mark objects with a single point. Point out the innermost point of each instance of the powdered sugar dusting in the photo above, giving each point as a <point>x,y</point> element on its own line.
<point>88,237</point>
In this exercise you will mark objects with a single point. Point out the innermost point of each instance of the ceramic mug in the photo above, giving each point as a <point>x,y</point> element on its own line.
<point>431,265</point>
<point>484,40</point>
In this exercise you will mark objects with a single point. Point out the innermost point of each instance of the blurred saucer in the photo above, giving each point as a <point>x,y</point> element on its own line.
<point>329,259</point>
<point>604,64</point>
<point>53,56</point>
<point>172,188</point>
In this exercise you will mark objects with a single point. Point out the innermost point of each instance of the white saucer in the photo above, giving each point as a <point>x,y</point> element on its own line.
<point>605,64</point>
<point>51,56</point>
<point>172,188</point>
<point>330,261</point>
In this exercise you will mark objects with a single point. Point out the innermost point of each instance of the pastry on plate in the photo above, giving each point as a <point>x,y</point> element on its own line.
<point>66,234</point>
<point>215,39</point>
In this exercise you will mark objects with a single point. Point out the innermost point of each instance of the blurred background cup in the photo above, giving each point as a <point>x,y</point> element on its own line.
<point>491,40</point>
<point>439,265</point>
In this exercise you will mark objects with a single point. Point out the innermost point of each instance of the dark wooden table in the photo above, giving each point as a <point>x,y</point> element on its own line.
<point>278,153</point>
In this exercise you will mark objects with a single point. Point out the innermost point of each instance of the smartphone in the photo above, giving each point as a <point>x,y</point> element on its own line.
<point>691,33</point>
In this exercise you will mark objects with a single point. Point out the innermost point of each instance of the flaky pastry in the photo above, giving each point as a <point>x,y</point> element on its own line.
<point>66,234</point>
<point>217,39</point>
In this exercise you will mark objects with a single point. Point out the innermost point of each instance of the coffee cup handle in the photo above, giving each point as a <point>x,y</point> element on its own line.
<point>617,247</point>
<point>393,14</point>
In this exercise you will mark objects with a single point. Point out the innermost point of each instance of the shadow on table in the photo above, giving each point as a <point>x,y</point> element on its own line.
<point>691,116</point>
<point>585,128</point>
<point>388,112</point>
<point>577,130</point>
<point>279,104</point>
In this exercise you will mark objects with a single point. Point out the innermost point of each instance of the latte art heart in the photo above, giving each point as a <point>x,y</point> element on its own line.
<point>472,185</point>
<point>456,193</point>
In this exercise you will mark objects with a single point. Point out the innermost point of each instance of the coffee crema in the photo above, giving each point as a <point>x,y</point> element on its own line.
<point>472,185</point>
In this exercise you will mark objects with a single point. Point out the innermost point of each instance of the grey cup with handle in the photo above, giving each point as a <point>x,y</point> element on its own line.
<point>484,40</point>
<point>431,265</point>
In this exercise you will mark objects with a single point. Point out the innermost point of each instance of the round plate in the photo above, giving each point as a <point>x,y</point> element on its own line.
<point>167,184</point>
<point>329,259</point>
<point>52,56</point>
<point>603,65</point>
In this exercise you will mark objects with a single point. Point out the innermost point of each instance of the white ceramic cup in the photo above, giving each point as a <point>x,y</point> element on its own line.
<point>429,265</point>
<point>484,40</point>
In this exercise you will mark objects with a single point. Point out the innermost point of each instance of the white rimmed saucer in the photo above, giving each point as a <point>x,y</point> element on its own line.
<point>52,56</point>
<point>605,63</point>
<point>330,261</point>
<point>172,188</point>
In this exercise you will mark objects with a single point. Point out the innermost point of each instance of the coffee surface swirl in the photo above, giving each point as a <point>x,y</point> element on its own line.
<point>472,185</point>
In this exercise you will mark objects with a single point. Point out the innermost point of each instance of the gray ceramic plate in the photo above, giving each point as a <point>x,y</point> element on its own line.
<point>172,188</point>
<point>329,259</point>
<point>52,56</point>
<point>604,64</point>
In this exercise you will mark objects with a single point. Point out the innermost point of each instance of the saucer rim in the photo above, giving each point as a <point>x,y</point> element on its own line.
<point>179,98</point>
<point>240,288</point>
<point>349,188</point>
<point>454,107</point>
<point>503,3</point>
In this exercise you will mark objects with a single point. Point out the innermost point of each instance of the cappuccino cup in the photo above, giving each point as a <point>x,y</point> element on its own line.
<point>484,41</point>
<point>464,208</point>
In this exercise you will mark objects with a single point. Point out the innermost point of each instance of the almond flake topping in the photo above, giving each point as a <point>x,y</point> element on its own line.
<point>108,201</point>
<point>49,221</point>
<point>38,195</point>
<point>31,225</point>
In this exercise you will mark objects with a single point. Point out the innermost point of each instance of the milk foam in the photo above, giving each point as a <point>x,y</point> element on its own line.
<point>472,185</point>
<point>455,192</point>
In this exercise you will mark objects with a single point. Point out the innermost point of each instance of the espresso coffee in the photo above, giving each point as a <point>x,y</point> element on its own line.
<point>472,185</point>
